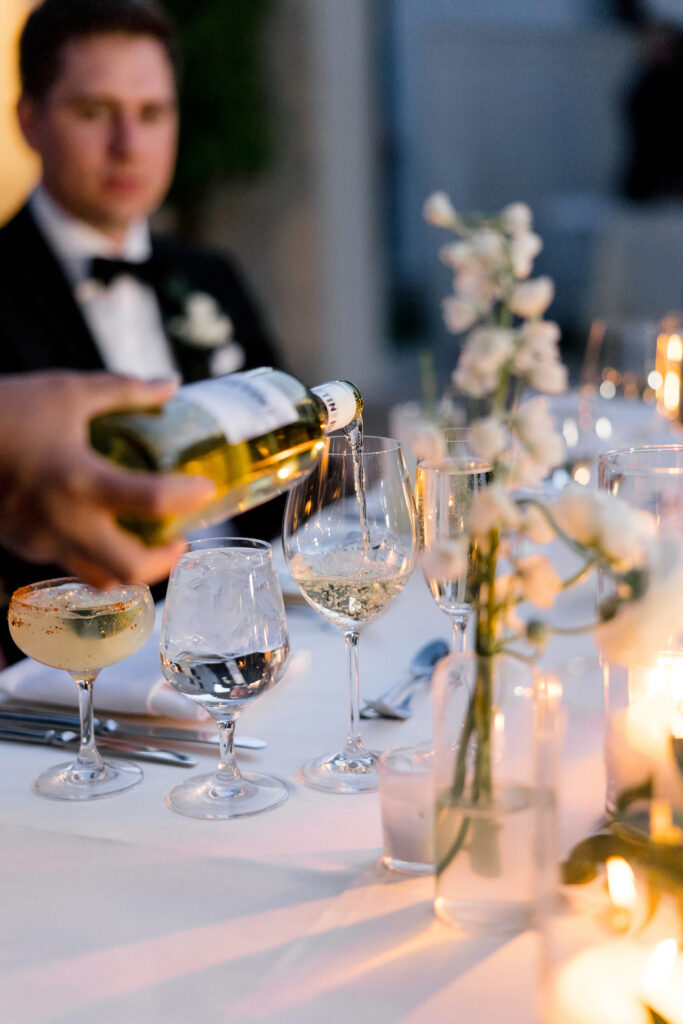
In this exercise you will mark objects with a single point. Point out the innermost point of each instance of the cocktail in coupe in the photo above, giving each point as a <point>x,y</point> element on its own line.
<point>445,490</point>
<point>350,542</point>
<point>68,624</point>
<point>224,642</point>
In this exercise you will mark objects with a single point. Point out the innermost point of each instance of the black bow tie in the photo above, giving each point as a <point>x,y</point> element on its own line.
<point>105,271</point>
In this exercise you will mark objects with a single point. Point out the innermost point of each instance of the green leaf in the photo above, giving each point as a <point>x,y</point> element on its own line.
<point>655,1017</point>
<point>628,796</point>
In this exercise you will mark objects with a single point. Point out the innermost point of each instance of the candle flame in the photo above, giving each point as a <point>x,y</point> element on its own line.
<point>674,348</point>
<point>660,965</point>
<point>621,883</point>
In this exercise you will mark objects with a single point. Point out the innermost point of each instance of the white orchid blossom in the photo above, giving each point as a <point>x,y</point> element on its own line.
<point>538,581</point>
<point>488,438</point>
<point>438,210</point>
<point>532,298</point>
<point>516,219</point>
<point>508,350</point>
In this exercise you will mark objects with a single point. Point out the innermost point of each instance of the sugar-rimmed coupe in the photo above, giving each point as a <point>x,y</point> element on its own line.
<point>68,624</point>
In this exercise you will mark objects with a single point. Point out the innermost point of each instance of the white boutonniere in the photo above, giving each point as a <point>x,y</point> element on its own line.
<point>204,325</point>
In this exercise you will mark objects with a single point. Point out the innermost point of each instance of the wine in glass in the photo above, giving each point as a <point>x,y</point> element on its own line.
<point>448,558</point>
<point>224,642</point>
<point>350,542</point>
<point>68,624</point>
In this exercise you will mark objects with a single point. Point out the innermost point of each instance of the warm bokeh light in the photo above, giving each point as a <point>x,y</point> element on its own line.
<point>18,166</point>
<point>659,966</point>
<point>621,883</point>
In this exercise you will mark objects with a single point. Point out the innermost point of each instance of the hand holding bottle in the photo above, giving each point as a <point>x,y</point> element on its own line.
<point>59,499</point>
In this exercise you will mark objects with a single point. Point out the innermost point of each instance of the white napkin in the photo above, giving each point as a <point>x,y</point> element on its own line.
<point>133,687</point>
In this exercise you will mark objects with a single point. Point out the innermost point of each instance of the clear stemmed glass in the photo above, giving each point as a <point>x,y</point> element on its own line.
<point>445,491</point>
<point>68,624</point>
<point>224,642</point>
<point>350,542</point>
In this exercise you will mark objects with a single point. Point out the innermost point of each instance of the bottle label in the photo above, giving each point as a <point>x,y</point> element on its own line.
<point>243,406</point>
<point>340,403</point>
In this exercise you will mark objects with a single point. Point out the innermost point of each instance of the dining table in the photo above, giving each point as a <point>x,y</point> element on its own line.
<point>119,909</point>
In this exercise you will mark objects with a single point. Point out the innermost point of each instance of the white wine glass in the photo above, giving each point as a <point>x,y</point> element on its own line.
<point>445,490</point>
<point>350,542</point>
<point>224,642</point>
<point>68,624</point>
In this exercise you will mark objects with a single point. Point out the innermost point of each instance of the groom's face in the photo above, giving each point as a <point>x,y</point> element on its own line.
<point>106,131</point>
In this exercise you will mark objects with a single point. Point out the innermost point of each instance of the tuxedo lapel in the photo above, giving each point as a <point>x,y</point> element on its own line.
<point>49,325</point>
<point>172,288</point>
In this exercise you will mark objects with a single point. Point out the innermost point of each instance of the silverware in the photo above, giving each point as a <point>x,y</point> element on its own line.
<point>110,728</point>
<point>395,702</point>
<point>118,748</point>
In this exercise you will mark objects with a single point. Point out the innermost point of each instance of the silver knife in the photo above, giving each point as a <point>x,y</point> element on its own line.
<point>120,748</point>
<point>110,728</point>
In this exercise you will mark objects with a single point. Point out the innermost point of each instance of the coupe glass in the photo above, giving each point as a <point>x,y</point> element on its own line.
<point>350,542</point>
<point>224,642</point>
<point>445,491</point>
<point>67,624</point>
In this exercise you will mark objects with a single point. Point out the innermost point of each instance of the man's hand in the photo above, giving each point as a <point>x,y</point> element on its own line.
<point>59,499</point>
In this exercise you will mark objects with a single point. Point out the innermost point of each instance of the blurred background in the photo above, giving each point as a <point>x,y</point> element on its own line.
<point>313,130</point>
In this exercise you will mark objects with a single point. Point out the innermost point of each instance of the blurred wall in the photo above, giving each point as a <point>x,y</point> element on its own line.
<point>306,231</point>
<point>18,166</point>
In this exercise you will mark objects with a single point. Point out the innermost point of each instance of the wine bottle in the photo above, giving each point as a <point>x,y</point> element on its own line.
<point>255,434</point>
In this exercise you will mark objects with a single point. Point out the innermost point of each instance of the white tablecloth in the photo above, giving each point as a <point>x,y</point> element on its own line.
<point>119,910</point>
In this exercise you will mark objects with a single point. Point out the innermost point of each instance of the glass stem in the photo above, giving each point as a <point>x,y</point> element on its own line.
<point>460,633</point>
<point>354,741</point>
<point>88,754</point>
<point>227,770</point>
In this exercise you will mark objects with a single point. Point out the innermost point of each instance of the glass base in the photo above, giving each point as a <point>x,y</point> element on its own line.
<point>408,867</point>
<point>342,773</point>
<point>204,796</point>
<point>71,781</point>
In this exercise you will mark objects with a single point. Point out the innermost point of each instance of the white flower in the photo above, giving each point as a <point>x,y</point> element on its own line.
<point>488,437</point>
<point>516,218</point>
<point>531,419</point>
<point>524,248</point>
<point>446,560</point>
<point>643,627</point>
<point>488,248</point>
<point>456,254</point>
<point>532,298</point>
<point>549,378</point>
<point>535,427</point>
<point>438,210</point>
<point>458,315</point>
<point>474,285</point>
<point>493,509</point>
<point>491,347</point>
<point>537,342</point>
<point>598,520</point>
<point>485,352</point>
<point>419,434</point>
<point>538,581</point>
<point>204,324</point>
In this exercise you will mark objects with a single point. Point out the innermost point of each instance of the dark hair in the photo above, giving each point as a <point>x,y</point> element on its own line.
<point>54,23</point>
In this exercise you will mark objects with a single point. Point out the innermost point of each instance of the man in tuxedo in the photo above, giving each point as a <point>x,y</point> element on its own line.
<point>85,284</point>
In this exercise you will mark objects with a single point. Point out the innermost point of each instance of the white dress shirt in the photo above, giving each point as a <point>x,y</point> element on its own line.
<point>123,317</point>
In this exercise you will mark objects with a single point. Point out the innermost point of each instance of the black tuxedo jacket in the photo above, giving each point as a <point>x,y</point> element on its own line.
<point>41,327</point>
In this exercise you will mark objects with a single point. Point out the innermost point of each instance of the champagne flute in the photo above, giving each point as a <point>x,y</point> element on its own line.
<point>224,642</point>
<point>350,542</point>
<point>445,491</point>
<point>68,624</point>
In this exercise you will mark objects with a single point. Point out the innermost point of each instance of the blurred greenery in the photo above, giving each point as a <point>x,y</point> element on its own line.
<point>225,128</point>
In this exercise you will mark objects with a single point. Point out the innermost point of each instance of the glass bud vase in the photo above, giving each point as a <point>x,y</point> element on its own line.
<point>493,739</point>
